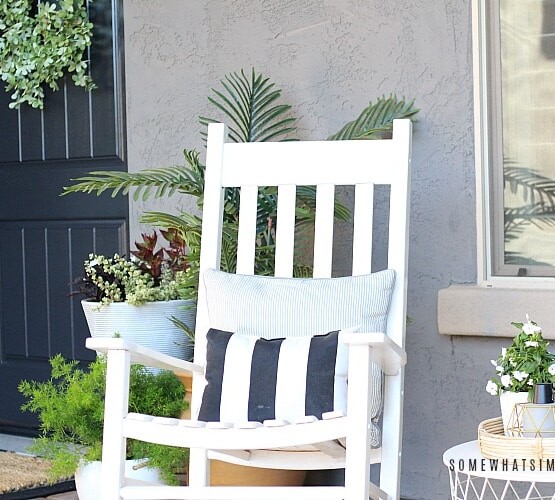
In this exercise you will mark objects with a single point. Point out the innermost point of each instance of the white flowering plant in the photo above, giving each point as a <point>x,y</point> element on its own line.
<point>151,274</point>
<point>524,363</point>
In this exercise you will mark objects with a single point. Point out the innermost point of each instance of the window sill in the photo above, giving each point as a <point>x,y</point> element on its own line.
<point>488,311</point>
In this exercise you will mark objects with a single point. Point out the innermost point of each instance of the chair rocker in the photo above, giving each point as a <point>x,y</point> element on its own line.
<point>365,314</point>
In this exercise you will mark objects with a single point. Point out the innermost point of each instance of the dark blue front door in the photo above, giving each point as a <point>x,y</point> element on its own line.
<point>44,238</point>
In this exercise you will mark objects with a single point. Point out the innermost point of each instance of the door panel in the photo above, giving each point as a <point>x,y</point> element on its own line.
<point>44,238</point>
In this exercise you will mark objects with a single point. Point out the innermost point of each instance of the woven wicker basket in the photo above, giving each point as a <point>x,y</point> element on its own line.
<point>494,444</point>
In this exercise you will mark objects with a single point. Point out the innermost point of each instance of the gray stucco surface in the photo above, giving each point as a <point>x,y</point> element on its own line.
<point>331,57</point>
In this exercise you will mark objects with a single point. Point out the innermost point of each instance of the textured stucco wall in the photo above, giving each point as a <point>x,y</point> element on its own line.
<point>331,57</point>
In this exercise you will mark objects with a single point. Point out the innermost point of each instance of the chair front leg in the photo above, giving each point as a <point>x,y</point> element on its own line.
<point>357,460</point>
<point>115,410</point>
<point>199,468</point>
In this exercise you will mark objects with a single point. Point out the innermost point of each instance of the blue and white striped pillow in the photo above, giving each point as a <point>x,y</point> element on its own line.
<point>253,379</point>
<point>270,307</point>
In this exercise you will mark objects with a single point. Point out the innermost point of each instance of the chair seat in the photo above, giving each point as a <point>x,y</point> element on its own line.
<point>187,433</point>
<point>292,459</point>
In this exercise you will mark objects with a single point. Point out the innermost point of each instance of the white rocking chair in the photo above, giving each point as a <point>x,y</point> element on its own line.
<point>282,306</point>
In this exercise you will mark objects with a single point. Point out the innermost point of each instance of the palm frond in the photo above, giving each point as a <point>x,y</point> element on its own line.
<point>518,259</point>
<point>535,187</point>
<point>185,223</point>
<point>538,215</point>
<point>157,182</point>
<point>376,120</point>
<point>306,197</point>
<point>186,328</point>
<point>249,107</point>
<point>228,254</point>
<point>300,271</point>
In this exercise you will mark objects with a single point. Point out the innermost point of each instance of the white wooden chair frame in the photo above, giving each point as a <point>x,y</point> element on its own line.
<point>324,164</point>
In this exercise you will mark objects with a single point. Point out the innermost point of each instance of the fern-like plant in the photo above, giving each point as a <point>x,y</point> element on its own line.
<point>250,106</point>
<point>70,408</point>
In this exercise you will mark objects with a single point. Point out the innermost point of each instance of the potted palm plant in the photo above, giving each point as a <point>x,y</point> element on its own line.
<point>70,408</point>
<point>249,104</point>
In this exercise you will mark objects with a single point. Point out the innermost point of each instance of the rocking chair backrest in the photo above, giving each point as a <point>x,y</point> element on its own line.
<point>324,164</point>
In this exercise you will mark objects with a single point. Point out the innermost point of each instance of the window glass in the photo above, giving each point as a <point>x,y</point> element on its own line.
<point>521,50</point>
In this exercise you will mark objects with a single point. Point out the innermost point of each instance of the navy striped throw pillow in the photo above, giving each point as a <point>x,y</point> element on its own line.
<point>255,379</point>
<point>270,307</point>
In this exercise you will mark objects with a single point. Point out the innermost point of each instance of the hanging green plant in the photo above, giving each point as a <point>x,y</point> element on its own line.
<point>41,42</point>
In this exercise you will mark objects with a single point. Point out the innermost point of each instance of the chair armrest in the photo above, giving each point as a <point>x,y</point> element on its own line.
<point>143,355</point>
<point>388,355</point>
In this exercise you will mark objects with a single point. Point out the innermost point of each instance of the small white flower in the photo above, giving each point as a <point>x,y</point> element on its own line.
<point>493,362</point>
<point>530,382</point>
<point>531,343</point>
<point>491,387</point>
<point>506,380</point>
<point>551,369</point>
<point>530,329</point>
<point>520,376</point>
<point>499,369</point>
<point>503,352</point>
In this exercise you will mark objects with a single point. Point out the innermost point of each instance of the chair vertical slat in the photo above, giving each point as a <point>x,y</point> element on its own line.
<point>247,230</point>
<point>362,229</point>
<point>210,252</point>
<point>397,259</point>
<point>285,231</point>
<point>323,230</point>
<point>399,210</point>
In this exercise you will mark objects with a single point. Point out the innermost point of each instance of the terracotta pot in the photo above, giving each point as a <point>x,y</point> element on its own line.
<point>226,474</point>
<point>187,381</point>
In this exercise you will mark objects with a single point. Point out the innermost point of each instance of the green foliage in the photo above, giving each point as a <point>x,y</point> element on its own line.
<point>376,120</point>
<point>524,363</point>
<point>70,408</point>
<point>38,49</point>
<point>153,274</point>
<point>250,107</point>
<point>248,104</point>
<point>156,182</point>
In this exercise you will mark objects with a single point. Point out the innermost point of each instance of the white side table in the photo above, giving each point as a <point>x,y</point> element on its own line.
<point>473,477</point>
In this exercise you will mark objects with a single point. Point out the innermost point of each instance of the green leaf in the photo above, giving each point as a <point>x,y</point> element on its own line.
<point>247,106</point>
<point>376,120</point>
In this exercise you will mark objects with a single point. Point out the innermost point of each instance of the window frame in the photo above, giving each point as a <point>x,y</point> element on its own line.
<point>491,269</point>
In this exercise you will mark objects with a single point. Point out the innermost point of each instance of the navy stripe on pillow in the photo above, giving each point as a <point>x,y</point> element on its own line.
<point>320,374</point>
<point>262,391</point>
<point>288,378</point>
<point>215,358</point>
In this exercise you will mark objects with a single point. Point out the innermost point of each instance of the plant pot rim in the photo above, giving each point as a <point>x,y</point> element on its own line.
<point>119,304</point>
